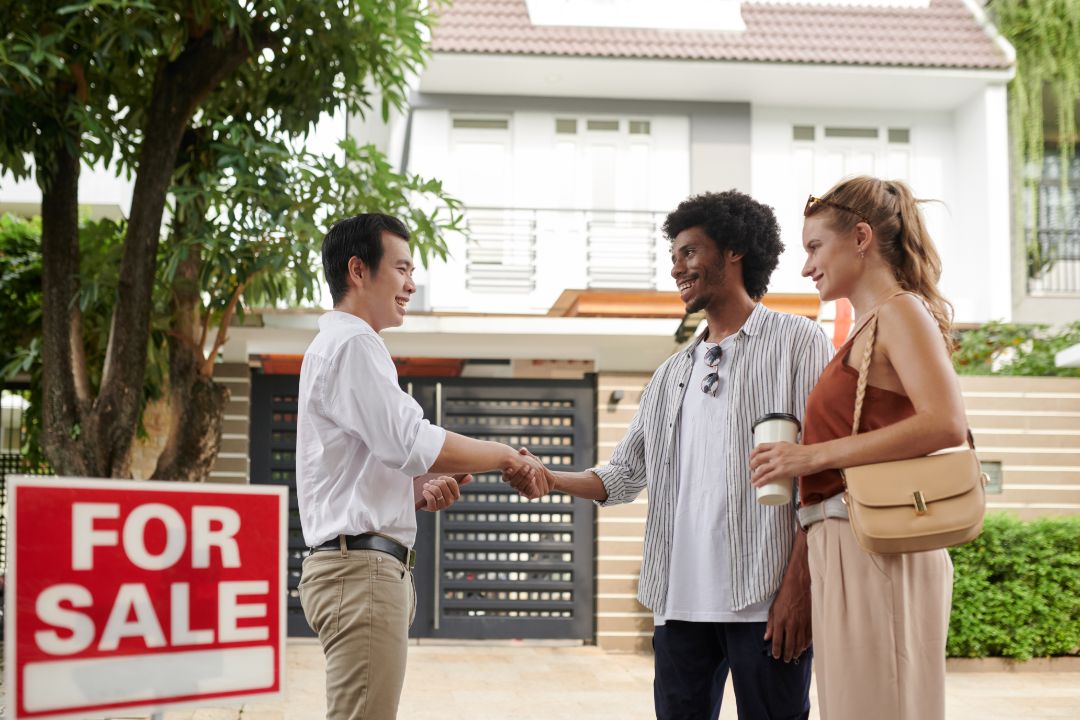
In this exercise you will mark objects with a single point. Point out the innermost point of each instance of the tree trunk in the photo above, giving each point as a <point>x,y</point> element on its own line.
<point>67,420</point>
<point>197,406</point>
<point>179,87</point>
<point>196,402</point>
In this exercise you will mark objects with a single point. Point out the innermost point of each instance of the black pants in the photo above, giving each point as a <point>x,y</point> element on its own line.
<point>692,664</point>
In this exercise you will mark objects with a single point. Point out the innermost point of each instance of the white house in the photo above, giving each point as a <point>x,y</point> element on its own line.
<point>569,128</point>
<point>572,127</point>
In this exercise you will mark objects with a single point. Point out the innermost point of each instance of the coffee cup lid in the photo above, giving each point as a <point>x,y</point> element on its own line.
<point>777,416</point>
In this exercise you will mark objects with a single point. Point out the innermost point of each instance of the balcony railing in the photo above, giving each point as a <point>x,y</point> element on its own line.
<point>1058,272</point>
<point>506,246</point>
<point>621,249</point>
<point>1054,266</point>
<point>501,250</point>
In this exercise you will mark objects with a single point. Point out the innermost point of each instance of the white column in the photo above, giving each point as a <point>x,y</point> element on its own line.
<point>981,210</point>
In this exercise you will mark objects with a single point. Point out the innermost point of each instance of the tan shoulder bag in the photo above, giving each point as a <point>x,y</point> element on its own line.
<point>924,503</point>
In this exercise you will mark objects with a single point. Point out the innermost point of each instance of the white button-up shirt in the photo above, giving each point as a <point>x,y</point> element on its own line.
<point>360,439</point>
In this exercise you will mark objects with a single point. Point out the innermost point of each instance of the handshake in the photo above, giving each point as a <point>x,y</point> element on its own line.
<point>522,470</point>
<point>525,473</point>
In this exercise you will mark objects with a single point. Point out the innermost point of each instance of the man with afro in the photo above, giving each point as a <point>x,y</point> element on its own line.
<point>725,576</point>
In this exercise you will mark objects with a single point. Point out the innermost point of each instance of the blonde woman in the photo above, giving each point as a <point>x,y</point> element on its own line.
<point>879,621</point>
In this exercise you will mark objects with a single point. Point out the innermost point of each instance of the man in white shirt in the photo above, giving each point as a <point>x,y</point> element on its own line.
<point>726,577</point>
<point>361,445</point>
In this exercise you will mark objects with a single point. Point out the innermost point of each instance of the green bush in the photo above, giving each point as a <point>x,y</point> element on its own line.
<point>1016,590</point>
<point>998,348</point>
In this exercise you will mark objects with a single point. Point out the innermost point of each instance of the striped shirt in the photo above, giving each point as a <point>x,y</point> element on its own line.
<point>775,362</point>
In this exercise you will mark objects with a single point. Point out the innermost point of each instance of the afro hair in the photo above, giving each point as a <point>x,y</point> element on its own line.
<point>736,222</point>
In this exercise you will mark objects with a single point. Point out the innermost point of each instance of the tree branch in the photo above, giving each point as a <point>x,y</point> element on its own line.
<point>207,370</point>
<point>79,370</point>
<point>205,330</point>
<point>187,342</point>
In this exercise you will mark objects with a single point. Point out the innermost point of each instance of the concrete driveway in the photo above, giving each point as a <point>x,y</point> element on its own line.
<point>530,681</point>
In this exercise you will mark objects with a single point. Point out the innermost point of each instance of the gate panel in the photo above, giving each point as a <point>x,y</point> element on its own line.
<point>494,565</point>
<point>273,462</point>
<point>500,566</point>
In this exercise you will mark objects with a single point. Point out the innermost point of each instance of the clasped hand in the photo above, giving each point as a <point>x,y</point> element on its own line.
<point>434,492</point>
<point>528,475</point>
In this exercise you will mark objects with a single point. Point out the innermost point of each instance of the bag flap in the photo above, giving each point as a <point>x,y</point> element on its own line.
<point>937,477</point>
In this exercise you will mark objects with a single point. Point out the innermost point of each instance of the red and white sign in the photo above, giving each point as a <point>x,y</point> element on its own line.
<point>141,595</point>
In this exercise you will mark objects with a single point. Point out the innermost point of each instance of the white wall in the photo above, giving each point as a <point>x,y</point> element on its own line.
<point>548,171</point>
<point>99,187</point>
<point>957,157</point>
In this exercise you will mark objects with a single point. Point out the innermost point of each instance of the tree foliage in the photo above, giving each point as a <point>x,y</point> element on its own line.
<point>205,103</point>
<point>1046,36</point>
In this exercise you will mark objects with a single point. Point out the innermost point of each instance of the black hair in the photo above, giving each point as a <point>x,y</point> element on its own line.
<point>361,237</point>
<point>736,222</point>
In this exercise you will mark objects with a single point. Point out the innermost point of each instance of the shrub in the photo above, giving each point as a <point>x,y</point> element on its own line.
<point>1016,590</point>
<point>998,348</point>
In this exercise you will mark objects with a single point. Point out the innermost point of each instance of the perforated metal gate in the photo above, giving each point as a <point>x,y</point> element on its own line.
<point>272,442</point>
<point>494,565</point>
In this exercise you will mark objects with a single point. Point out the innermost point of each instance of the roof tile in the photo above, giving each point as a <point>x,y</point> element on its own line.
<point>945,34</point>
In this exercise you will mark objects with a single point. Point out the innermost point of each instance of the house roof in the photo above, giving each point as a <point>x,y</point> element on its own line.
<point>944,35</point>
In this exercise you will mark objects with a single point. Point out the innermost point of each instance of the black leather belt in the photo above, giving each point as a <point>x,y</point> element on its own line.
<point>369,541</point>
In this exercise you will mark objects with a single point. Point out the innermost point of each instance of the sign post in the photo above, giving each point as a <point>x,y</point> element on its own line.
<point>141,596</point>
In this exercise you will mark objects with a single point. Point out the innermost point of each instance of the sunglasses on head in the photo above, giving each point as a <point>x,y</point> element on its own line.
<point>813,201</point>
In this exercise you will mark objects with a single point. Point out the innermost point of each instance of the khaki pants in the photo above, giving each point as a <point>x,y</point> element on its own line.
<point>880,624</point>
<point>361,603</point>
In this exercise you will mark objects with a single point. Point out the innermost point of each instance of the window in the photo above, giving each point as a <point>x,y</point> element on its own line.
<point>566,126</point>
<point>640,127</point>
<point>1054,231</point>
<point>466,123</point>
<point>822,154</point>
<point>851,132</point>
<point>899,135</point>
<point>602,125</point>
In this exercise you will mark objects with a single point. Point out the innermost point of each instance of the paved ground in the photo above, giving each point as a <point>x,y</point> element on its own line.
<point>530,682</point>
<point>472,681</point>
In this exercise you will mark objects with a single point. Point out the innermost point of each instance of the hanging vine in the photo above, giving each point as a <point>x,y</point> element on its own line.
<point>1046,35</point>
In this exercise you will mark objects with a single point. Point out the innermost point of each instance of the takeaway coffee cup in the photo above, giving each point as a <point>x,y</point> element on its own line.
<point>776,427</point>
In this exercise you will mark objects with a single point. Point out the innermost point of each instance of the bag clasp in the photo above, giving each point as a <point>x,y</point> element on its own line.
<point>920,502</point>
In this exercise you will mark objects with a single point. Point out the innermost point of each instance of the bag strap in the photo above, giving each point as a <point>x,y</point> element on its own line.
<point>864,372</point>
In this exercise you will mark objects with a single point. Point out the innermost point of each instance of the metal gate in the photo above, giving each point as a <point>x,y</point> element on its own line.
<point>14,404</point>
<point>494,565</point>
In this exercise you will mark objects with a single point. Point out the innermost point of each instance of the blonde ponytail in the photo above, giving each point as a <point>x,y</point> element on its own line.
<point>903,241</point>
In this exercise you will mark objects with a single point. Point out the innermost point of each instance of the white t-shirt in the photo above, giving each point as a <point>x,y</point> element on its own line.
<point>699,583</point>
<point>360,439</point>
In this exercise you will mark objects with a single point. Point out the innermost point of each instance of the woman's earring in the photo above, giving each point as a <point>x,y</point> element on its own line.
<point>862,254</point>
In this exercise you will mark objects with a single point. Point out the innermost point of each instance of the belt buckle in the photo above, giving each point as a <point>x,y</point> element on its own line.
<point>411,561</point>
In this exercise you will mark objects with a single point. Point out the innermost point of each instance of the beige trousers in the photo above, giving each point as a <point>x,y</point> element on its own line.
<point>880,624</point>
<point>361,603</point>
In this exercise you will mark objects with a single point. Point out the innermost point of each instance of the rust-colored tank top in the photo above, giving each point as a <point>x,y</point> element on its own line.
<point>830,410</point>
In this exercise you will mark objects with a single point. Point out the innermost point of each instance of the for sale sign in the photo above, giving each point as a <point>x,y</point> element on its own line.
<point>142,595</point>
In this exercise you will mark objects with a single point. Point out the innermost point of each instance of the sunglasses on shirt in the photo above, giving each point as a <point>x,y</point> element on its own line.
<point>711,382</point>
